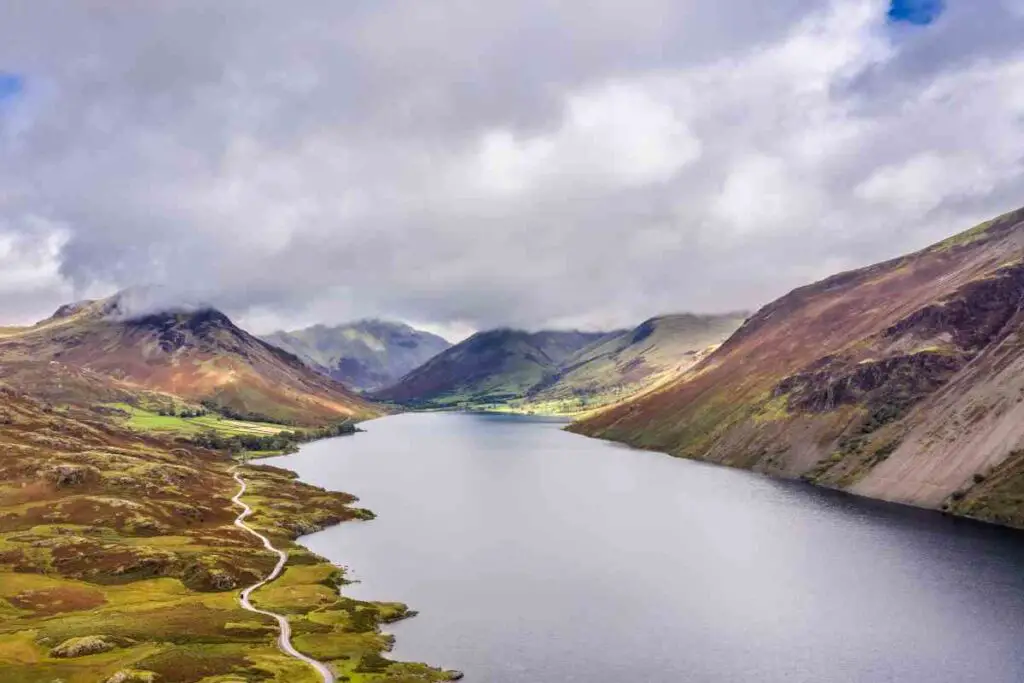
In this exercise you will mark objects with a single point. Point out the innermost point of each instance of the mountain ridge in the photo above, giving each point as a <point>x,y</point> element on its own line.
<point>560,372</point>
<point>194,352</point>
<point>901,381</point>
<point>625,363</point>
<point>365,355</point>
<point>490,366</point>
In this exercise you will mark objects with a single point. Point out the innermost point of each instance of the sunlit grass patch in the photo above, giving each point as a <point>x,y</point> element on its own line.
<point>152,421</point>
<point>18,648</point>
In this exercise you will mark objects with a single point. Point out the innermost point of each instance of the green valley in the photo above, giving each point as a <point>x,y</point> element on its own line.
<point>558,373</point>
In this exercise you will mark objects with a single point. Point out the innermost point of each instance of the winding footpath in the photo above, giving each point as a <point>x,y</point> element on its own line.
<point>284,641</point>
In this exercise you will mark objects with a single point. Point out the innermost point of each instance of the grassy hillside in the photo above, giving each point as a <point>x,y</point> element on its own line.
<point>119,562</point>
<point>902,381</point>
<point>621,365</point>
<point>491,367</point>
<point>366,355</point>
<point>560,372</point>
<point>102,352</point>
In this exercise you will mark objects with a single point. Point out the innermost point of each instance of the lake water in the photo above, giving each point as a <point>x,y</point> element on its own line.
<point>539,556</point>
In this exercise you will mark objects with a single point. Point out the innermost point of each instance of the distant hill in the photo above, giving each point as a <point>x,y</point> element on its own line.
<point>490,367</point>
<point>364,355</point>
<point>902,381</point>
<point>623,364</point>
<point>113,349</point>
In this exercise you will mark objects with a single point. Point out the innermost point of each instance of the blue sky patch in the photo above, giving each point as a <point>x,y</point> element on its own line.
<point>920,12</point>
<point>10,85</point>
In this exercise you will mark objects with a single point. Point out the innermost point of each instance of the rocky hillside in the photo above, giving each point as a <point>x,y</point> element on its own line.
<point>364,355</point>
<point>110,350</point>
<point>623,364</point>
<point>490,367</point>
<point>902,381</point>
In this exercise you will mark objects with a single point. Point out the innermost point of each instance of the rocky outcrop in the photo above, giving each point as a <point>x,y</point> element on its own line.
<point>898,381</point>
<point>132,676</point>
<point>68,475</point>
<point>85,645</point>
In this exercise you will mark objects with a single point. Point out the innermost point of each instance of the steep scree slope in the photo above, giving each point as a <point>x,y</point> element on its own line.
<point>902,381</point>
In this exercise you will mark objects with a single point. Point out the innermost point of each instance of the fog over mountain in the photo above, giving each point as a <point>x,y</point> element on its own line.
<point>465,166</point>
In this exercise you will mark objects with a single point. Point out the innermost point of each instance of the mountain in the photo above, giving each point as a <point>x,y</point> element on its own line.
<point>112,349</point>
<point>902,381</point>
<point>489,367</point>
<point>620,365</point>
<point>364,355</point>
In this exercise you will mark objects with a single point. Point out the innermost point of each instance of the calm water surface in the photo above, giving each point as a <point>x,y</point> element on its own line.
<point>539,556</point>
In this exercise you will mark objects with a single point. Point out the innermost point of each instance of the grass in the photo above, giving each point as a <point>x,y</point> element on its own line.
<point>112,541</point>
<point>995,496</point>
<point>150,421</point>
<point>963,238</point>
<point>773,409</point>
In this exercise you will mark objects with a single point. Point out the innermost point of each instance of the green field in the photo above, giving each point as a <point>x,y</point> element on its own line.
<point>150,421</point>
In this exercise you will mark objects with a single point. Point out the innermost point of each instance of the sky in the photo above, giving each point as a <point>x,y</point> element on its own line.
<point>464,165</point>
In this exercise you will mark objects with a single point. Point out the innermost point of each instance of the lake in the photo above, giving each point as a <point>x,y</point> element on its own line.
<point>539,556</point>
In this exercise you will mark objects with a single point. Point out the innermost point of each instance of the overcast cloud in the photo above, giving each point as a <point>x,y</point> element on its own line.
<point>468,165</point>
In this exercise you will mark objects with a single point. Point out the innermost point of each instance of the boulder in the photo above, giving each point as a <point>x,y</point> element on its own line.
<point>82,646</point>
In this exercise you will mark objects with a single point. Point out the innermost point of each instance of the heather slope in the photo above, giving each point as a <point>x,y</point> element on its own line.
<point>901,381</point>
<point>118,554</point>
<point>365,355</point>
<point>102,351</point>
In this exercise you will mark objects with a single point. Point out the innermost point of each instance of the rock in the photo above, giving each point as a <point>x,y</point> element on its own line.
<point>455,675</point>
<point>132,676</point>
<point>221,581</point>
<point>82,646</point>
<point>72,475</point>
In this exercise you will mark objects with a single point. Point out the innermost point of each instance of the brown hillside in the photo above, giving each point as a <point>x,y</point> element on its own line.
<point>902,381</point>
<point>98,350</point>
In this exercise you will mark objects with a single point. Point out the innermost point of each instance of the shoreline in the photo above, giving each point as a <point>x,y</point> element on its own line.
<point>120,561</point>
<point>285,635</point>
<point>386,612</point>
<point>951,513</point>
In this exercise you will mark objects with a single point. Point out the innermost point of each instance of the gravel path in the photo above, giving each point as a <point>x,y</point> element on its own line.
<point>285,639</point>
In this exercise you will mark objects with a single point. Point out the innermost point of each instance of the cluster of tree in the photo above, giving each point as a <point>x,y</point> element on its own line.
<point>284,442</point>
<point>232,414</point>
<point>184,412</point>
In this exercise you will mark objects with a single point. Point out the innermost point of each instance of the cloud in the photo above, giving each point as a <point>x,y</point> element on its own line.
<point>463,166</point>
<point>616,136</point>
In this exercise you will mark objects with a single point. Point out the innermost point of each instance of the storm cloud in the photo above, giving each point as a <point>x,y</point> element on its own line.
<point>467,165</point>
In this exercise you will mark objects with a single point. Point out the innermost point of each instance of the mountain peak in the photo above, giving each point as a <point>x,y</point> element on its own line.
<point>143,339</point>
<point>141,302</point>
<point>364,354</point>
